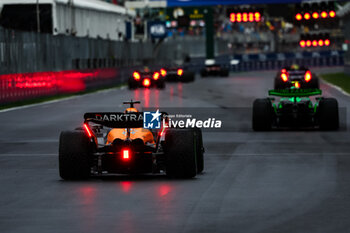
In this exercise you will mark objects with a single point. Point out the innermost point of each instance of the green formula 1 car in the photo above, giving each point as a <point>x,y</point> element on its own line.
<point>295,109</point>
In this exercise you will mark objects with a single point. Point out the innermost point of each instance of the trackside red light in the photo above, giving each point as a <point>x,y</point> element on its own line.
<point>180,72</point>
<point>156,76</point>
<point>314,43</point>
<point>307,16</point>
<point>87,129</point>
<point>298,17</point>
<point>146,82</point>
<point>136,76</point>
<point>332,14</point>
<point>324,14</point>
<point>163,72</point>
<point>308,76</point>
<point>126,154</point>
<point>308,43</point>
<point>233,17</point>
<point>320,43</point>
<point>327,42</point>
<point>302,43</point>
<point>245,17</point>
<point>284,77</point>
<point>315,15</point>
<point>251,17</point>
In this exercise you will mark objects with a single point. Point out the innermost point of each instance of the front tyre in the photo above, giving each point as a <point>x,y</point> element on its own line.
<point>74,155</point>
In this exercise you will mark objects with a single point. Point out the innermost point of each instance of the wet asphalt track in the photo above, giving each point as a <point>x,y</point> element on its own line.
<point>281,181</point>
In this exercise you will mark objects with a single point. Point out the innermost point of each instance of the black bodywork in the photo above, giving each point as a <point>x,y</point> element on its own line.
<point>215,70</point>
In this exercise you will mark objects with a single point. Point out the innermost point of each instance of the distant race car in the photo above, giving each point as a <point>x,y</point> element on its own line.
<point>177,74</point>
<point>298,77</point>
<point>116,142</point>
<point>295,109</point>
<point>214,70</point>
<point>146,79</point>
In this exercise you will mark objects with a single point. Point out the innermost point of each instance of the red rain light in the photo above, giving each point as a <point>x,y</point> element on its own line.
<point>284,77</point>
<point>324,14</point>
<point>308,76</point>
<point>126,154</point>
<point>283,70</point>
<point>156,76</point>
<point>163,72</point>
<point>297,85</point>
<point>298,17</point>
<point>307,16</point>
<point>308,43</point>
<point>180,72</point>
<point>136,75</point>
<point>315,15</point>
<point>302,43</point>
<point>327,42</point>
<point>320,43</point>
<point>146,82</point>
<point>87,129</point>
<point>314,43</point>
<point>332,14</point>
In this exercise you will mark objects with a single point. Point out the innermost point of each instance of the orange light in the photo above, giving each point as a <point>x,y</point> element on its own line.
<point>136,75</point>
<point>324,14</point>
<point>284,77</point>
<point>302,43</point>
<point>308,76</point>
<point>146,82</point>
<point>233,17</point>
<point>320,43</point>
<point>180,72</point>
<point>327,42</point>
<point>163,72</point>
<point>308,43</point>
<point>87,129</point>
<point>297,85</point>
<point>315,15</point>
<point>314,43</point>
<point>307,16</point>
<point>332,14</point>
<point>298,17</point>
<point>156,76</point>
<point>126,154</point>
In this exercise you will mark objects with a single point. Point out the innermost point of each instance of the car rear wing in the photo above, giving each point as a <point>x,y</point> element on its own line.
<point>116,119</point>
<point>295,92</point>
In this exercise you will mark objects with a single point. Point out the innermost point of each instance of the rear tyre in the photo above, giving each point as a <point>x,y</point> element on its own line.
<point>328,114</point>
<point>279,84</point>
<point>161,85</point>
<point>262,115</point>
<point>132,85</point>
<point>204,73</point>
<point>199,150</point>
<point>224,72</point>
<point>314,83</point>
<point>180,153</point>
<point>74,155</point>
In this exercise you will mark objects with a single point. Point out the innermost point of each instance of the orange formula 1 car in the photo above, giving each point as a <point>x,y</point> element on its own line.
<point>116,142</point>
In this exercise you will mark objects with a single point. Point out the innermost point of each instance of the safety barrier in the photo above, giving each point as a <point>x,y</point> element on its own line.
<point>273,61</point>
